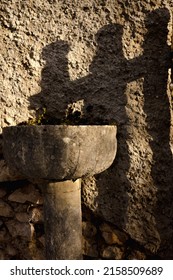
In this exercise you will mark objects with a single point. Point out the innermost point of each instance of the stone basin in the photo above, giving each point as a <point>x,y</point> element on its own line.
<point>59,152</point>
<point>56,157</point>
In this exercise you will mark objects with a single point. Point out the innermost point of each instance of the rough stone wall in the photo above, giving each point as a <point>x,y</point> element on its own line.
<point>22,229</point>
<point>109,60</point>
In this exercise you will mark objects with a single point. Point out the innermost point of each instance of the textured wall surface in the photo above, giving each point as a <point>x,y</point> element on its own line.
<point>110,61</point>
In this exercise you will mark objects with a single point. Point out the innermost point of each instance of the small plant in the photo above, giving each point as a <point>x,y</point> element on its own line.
<point>38,120</point>
<point>73,116</point>
<point>41,116</point>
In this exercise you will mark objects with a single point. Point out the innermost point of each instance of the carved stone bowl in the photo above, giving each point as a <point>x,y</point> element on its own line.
<point>59,152</point>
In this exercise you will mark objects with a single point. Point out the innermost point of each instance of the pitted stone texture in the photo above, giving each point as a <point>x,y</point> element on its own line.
<point>28,28</point>
<point>136,193</point>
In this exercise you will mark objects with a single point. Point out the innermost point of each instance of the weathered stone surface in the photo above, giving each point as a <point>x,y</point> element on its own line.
<point>90,192</point>
<point>112,235</point>
<point>36,215</point>
<point>119,75</point>
<point>62,203</point>
<point>112,252</point>
<point>136,255</point>
<point>88,229</point>
<point>5,209</point>
<point>7,174</point>
<point>89,247</point>
<point>20,207</point>
<point>36,252</point>
<point>60,152</point>
<point>26,194</point>
<point>22,217</point>
<point>19,229</point>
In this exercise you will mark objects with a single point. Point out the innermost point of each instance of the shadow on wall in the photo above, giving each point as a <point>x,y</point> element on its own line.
<point>104,101</point>
<point>158,112</point>
<point>100,98</point>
